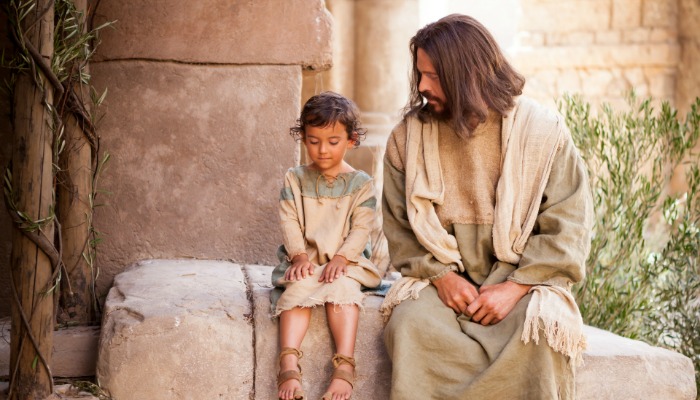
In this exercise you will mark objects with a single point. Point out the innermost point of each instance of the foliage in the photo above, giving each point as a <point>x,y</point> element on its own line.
<point>643,277</point>
<point>62,74</point>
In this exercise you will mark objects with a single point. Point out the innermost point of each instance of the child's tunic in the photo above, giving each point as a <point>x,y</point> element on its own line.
<point>323,219</point>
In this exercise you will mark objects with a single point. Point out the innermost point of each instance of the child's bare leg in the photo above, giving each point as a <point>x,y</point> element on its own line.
<point>343,322</point>
<point>293,326</point>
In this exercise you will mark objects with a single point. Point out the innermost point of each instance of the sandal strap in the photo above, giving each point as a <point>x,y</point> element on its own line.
<point>339,359</point>
<point>288,375</point>
<point>291,350</point>
<point>348,377</point>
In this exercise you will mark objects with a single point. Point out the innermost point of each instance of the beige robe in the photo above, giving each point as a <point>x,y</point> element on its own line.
<point>437,354</point>
<point>322,220</point>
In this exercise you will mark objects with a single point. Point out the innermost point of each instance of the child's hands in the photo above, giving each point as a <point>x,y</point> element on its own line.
<point>300,269</point>
<point>336,267</point>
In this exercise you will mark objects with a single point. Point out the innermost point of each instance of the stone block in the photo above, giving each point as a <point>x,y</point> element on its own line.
<point>608,37</point>
<point>177,329</point>
<point>215,31</point>
<point>626,14</point>
<point>597,56</point>
<point>595,82</point>
<point>660,13</point>
<point>636,35</point>
<point>637,80</point>
<point>663,35</point>
<point>74,350</point>
<point>565,15</point>
<point>614,367</point>
<point>373,365</point>
<point>570,38</point>
<point>530,39</point>
<point>662,82</point>
<point>197,158</point>
<point>620,368</point>
<point>569,81</point>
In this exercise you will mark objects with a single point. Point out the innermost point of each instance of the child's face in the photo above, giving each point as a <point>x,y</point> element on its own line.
<point>326,147</point>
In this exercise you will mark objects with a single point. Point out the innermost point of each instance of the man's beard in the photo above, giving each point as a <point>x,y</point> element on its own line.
<point>442,115</point>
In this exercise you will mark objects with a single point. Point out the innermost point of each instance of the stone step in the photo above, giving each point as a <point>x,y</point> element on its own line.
<point>189,329</point>
<point>145,353</point>
<point>74,350</point>
<point>177,329</point>
<point>373,365</point>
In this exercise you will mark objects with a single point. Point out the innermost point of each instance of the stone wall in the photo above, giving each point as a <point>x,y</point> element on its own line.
<point>201,95</point>
<point>688,80</point>
<point>200,98</point>
<point>599,48</point>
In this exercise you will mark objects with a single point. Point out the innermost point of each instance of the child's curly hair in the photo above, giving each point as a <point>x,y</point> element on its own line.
<point>326,109</point>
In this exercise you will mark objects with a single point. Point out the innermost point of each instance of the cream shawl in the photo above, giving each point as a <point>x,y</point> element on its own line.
<point>531,137</point>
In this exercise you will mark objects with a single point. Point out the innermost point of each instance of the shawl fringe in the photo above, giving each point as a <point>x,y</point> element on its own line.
<point>404,288</point>
<point>527,162</point>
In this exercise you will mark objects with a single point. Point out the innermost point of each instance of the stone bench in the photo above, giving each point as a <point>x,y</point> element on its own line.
<point>186,329</point>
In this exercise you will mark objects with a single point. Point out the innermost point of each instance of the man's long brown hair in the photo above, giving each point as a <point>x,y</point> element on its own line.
<point>473,72</point>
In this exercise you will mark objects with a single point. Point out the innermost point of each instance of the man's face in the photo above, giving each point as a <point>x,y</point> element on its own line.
<point>429,85</point>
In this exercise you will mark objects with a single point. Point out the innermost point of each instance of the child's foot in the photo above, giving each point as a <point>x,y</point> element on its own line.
<point>342,380</point>
<point>289,378</point>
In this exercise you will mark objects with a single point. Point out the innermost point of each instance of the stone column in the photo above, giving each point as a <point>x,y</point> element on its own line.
<point>688,81</point>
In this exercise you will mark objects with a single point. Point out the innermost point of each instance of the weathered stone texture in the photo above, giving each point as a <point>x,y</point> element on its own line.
<point>382,33</point>
<point>565,15</point>
<point>666,55</point>
<point>608,37</point>
<point>626,14</point>
<point>614,367</point>
<point>688,80</point>
<point>373,365</point>
<point>218,31</point>
<point>74,350</point>
<point>177,330</point>
<point>599,40</point>
<point>659,13</point>
<point>568,38</point>
<point>198,154</point>
<point>620,368</point>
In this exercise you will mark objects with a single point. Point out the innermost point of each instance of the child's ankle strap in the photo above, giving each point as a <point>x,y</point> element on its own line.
<point>340,359</point>
<point>291,350</point>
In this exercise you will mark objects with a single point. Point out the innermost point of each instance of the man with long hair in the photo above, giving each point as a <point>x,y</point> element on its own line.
<point>488,215</point>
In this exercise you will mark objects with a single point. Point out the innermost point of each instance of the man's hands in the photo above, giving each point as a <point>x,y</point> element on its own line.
<point>490,305</point>
<point>300,269</point>
<point>495,302</point>
<point>455,291</point>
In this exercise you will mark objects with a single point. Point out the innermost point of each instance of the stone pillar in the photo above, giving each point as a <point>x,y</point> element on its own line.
<point>688,79</point>
<point>371,65</point>
<point>200,96</point>
<point>382,60</point>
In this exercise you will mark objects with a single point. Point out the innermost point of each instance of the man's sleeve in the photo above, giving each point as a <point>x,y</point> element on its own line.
<point>408,256</point>
<point>556,252</point>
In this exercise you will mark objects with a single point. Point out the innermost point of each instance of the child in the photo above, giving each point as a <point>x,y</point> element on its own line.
<point>327,210</point>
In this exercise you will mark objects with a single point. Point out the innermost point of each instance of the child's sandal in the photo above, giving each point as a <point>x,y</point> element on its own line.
<point>348,377</point>
<point>284,376</point>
